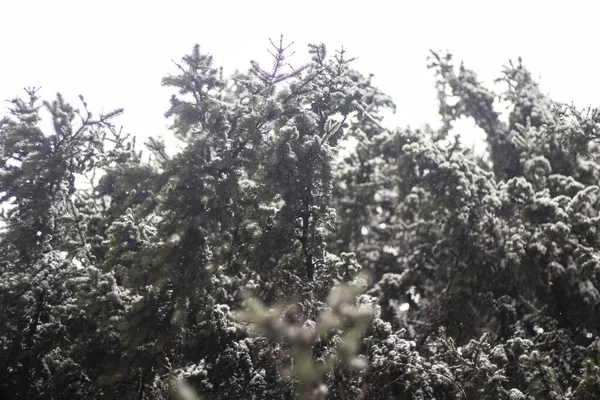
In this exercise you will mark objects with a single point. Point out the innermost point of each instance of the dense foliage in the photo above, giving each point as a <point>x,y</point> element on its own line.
<point>295,248</point>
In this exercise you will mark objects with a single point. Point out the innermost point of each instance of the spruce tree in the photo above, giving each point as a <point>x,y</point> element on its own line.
<point>295,247</point>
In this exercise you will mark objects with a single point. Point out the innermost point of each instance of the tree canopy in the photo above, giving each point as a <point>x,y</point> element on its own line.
<point>296,248</point>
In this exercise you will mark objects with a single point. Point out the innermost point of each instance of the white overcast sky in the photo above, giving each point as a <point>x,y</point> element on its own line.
<point>116,52</point>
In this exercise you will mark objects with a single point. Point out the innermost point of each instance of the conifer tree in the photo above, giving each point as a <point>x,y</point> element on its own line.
<point>295,247</point>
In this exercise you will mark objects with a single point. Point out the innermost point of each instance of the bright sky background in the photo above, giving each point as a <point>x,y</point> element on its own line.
<point>116,52</point>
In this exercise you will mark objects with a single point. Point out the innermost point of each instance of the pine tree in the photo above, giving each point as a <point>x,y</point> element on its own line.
<point>295,247</point>
<point>44,243</point>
